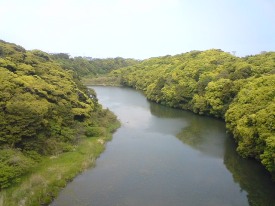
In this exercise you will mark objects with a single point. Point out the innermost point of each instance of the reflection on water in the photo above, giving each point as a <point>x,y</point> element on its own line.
<point>251,176</point>
<point>162,156</point>
<point>200,132</point>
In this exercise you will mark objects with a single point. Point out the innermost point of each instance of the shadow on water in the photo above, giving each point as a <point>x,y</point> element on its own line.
<point>208,136</point>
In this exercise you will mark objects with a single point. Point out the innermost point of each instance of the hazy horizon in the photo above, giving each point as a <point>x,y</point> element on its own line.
<point>139,29</point>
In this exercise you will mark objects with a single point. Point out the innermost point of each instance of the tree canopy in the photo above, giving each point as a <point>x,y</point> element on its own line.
<point>87,66</point>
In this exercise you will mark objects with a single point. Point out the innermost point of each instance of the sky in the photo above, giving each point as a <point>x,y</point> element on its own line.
<point>139,29</point>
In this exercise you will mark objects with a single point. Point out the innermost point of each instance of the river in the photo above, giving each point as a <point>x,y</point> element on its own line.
<point>166,157</point>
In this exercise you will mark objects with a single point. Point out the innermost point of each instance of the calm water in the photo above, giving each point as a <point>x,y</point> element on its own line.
<point>166,157</point>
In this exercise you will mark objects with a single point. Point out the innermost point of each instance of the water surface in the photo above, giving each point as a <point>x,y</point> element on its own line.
<point>163,157</point>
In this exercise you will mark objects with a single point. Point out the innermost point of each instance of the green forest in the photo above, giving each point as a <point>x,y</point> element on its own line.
<point>46,112</point>
<point>91,67</point>
<point>241,91</point>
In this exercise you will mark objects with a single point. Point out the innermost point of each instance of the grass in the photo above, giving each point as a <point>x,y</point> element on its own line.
<point>53,173</point>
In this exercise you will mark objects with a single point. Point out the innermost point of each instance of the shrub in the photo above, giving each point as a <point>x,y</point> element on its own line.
<point>13,164</point>
<point>95,131</point>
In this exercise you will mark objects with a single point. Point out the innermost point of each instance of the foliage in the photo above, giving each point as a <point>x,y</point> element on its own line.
<point>95,131</point>
<point>251,118</point>
<point>38,102</point>
<point>216,83</point>
<point>13,164</point>
<point>44,110</point>
<point>86,66</point>
<point>51,174</point>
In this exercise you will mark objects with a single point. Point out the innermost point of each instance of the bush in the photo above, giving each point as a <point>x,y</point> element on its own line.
<point>13,164</point>
<point>95,131</point>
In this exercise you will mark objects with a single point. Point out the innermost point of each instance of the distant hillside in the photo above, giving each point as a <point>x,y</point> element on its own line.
<point>91,67</point>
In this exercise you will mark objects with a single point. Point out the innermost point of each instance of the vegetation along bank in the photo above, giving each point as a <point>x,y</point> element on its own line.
<point>51,126</point>
<point>215,83</point>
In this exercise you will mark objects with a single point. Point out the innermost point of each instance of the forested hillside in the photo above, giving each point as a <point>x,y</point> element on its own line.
<point>239,90</point>
<point>91,67</point>
<point>44,110</point>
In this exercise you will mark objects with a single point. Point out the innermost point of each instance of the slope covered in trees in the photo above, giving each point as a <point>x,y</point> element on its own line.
<point>92,67</point>
<point>216,83</point>
<point>44,110</point>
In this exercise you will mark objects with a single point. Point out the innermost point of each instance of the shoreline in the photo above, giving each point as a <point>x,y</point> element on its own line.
<point>53,173</point>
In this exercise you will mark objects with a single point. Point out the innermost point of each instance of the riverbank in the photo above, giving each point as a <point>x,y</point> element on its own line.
<point>244,102</point>
<point>161,155</point>
<point>54,172</point>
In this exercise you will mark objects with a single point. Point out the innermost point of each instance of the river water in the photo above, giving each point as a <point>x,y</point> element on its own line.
<point>166,157</point>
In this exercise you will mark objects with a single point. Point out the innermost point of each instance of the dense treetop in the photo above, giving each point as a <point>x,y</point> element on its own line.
<point>85,66</point>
